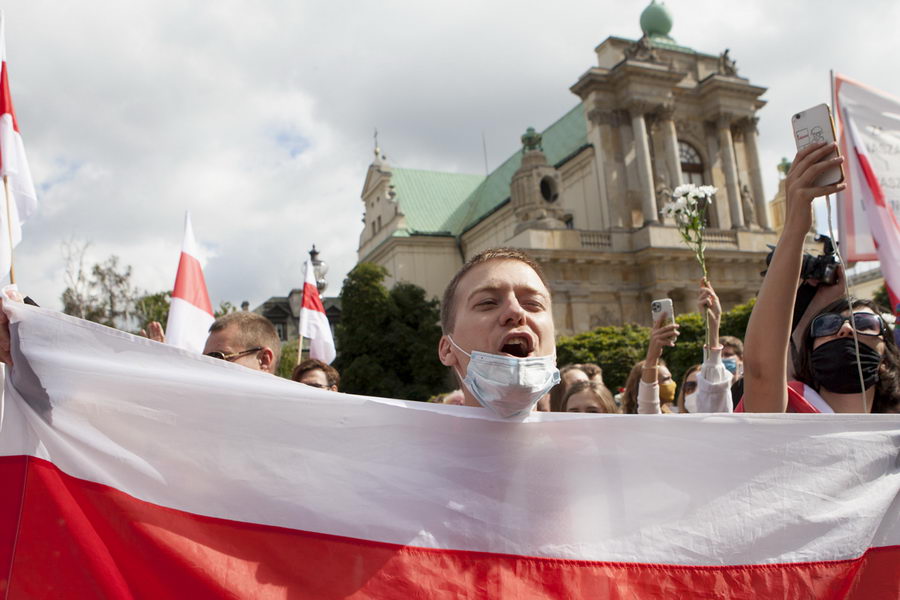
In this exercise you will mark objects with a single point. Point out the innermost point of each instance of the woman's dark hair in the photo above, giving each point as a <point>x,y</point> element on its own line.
<point>887,390</point>
<point>601,393</point>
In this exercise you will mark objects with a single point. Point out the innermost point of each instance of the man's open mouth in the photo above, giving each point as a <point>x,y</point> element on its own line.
<point>517,345</point>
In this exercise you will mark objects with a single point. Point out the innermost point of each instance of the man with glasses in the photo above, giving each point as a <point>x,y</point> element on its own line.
<point>317,374</point>
<point>246,339</point>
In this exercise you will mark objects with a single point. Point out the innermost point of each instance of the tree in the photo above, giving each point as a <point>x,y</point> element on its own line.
<point>106,297</point>
<point>288,359</point>
<point>388,339</point>
<point>225,307</point>
<point>152,307</point>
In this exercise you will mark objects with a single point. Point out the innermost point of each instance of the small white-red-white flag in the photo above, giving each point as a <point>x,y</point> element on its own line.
<point>313,322</point>
<point>190,313</point>
<point>13,168</point>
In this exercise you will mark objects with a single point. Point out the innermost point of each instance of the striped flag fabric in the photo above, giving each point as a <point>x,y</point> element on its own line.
<point>870,139</point>
<point>14,169</point>
<point>313,321</point>
<point>190,313</point>
<point>137,470</point>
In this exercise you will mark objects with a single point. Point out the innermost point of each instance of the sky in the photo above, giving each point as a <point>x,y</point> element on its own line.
<point>259,117</point>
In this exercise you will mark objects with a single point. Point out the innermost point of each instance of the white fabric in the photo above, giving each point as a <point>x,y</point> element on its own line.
<point>714,384</point>
<point>188,325</point>
<point>314,324</point>
<point>648,398</point>
<point>214,438</point>
<point>813,397</point>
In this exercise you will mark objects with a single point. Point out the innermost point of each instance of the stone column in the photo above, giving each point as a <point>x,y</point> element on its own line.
<point>610,167</point>
<point>645,168</point>
<point>726,147</point>
<point>756,182</point>
<point>670,140</point>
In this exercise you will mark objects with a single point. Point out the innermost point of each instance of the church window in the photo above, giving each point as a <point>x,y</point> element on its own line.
<point>691,163</point>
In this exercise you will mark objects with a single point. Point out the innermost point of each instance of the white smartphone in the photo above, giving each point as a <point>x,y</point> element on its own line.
<point>813,126</point>
<point>661,307</point>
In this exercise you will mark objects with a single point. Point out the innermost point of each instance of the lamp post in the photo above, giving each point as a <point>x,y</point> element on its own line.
<point>320,269</point>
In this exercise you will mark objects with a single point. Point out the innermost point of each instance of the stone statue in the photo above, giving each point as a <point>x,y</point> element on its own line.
<point>747,206</point>
<point>727,65</point>
<point>642,50</point>
<point>663,197</point>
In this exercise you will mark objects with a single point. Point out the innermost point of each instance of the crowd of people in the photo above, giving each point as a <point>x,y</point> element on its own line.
<point>834,355</point>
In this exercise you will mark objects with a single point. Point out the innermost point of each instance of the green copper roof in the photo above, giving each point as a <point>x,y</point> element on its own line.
<point>656,20</point>
<point>451,203</point>
<point>428,198</point>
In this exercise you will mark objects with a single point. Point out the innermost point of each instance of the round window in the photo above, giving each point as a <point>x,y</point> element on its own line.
<point>548,189</point>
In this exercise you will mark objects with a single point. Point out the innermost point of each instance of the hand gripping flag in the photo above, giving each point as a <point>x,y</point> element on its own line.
<point>870,208</point>
<point>190,313</point>
<point>130,469</point>
<point>313,321</point>
<point>21,197</point>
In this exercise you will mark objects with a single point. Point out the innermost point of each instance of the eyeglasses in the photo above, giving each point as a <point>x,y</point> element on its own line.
<point>864,323</point>
<point>315,385</point>
<point>233,355</point>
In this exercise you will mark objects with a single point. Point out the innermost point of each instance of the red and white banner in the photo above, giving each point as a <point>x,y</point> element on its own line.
<point>13,167</point>
<point>190,313</point>
<point>131,469</point>
<point>313,321</point>
<point>870,208</point>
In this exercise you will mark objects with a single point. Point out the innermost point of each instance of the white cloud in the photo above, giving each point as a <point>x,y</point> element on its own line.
<point>259,117</point>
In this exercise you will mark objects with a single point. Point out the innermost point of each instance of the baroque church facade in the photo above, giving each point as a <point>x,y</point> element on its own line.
<point>584,196</point>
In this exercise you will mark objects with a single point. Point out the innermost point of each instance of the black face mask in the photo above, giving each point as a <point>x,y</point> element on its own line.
<point>834,366</point>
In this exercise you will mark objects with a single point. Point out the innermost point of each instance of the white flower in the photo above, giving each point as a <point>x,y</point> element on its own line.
<point>708,191</point>
<point>683,190</point>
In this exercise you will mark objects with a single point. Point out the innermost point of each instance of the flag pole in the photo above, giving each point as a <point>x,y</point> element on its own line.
<point>12,268</point>
<point>300,324</point>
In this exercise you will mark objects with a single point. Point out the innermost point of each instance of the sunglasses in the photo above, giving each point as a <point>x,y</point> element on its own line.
<point>233,355</point>
<point>864,323</point>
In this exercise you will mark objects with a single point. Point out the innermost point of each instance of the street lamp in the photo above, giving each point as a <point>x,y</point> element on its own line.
<point>320,268</point>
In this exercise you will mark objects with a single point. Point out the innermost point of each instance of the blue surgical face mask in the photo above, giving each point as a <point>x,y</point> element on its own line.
<point>730,364</point>
<point>507,385</point>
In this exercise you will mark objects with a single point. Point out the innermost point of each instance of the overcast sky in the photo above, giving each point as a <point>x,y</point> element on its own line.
<point>258,116</point>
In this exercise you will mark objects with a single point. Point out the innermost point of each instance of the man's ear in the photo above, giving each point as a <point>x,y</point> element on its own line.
<point>445,352</point>
<point>266,360</point>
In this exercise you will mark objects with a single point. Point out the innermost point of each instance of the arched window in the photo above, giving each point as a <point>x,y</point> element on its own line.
<point>691,164</point>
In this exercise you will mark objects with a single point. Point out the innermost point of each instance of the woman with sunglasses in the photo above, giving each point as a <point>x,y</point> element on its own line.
<point>827,377</point>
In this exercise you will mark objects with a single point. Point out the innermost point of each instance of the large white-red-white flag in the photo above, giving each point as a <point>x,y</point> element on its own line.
<point>13,169</point>
<point>313,321</point>
<point>869,215</point>
<point>190,313</point>
<point>130,469</point>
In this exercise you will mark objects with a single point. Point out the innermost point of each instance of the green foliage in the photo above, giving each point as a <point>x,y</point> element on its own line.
<point>882,299</point>
<point>617,348</point>
<point>225,307</point>
<point>106,296</point>
<point>152,307</point>
<point>388,339</point>
<point>288,359</point>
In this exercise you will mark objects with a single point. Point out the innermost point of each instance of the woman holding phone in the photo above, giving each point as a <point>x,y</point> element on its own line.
<point>826,371</point>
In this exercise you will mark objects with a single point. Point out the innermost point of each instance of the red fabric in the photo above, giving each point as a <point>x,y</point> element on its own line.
<point>6,103</point>
<point>190,284</point>
<point>84,540</point>
<point>311,298</point>
<point>796,402</point>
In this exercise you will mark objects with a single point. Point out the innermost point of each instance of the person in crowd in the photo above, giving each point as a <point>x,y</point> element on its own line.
<point>656,390</point>
<point>317,374</point>
<point>827,368</point>
<point>687,391</point>
<point>589,397</point>
<point>543,405</point>
<point>733,356</point>
<point>648,397</point>
<point>569,375</point>
<point>246,339</point>
<point>594,372</point>
<point>498,333</point>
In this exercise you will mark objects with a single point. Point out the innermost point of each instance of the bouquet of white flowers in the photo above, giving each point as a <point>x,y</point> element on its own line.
<point>688,208</point>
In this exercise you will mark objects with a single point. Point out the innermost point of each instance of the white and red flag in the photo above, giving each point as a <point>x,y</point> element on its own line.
<point>13,169</point>
<point>130,469</point>
<point>190,313</point>
<point>313,321</point>
<point>869,215</point>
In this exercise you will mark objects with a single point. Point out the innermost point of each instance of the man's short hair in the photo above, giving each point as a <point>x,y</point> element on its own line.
<point>311,364</point>
<point>253,330</point>
<point>448,309</point>
<point>736,345</point>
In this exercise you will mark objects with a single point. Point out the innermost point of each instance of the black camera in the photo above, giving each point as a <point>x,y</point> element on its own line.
<point>822,268</point>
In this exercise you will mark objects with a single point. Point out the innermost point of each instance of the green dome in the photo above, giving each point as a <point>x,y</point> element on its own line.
<point>656,20</point>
